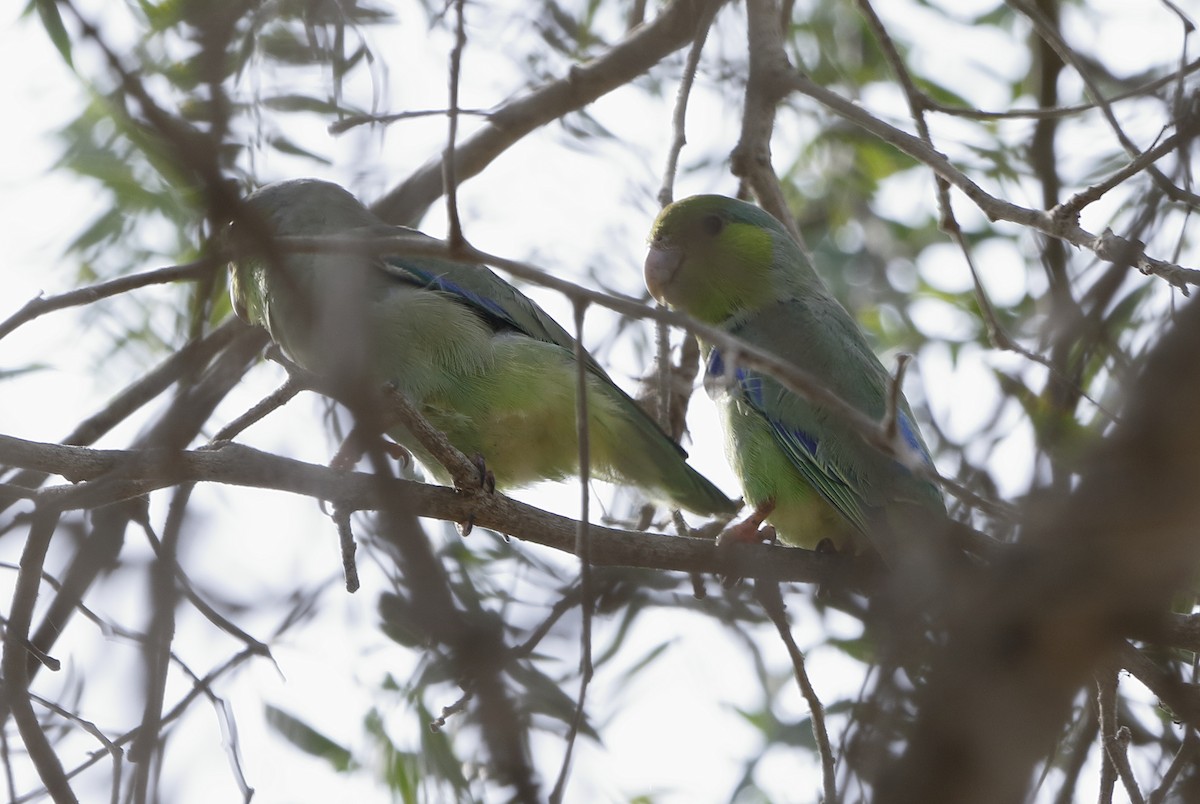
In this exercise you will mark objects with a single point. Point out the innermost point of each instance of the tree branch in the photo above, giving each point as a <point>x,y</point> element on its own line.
<point>109,475</point>
<point>1107,246</point>
<point>1103,561</point>
<point>644,47</point>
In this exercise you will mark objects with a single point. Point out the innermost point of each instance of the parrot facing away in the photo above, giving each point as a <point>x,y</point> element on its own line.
<point>803,469</point>
<point>481,361</point>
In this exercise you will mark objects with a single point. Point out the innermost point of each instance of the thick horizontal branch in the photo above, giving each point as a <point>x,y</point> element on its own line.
<point>110,475</point>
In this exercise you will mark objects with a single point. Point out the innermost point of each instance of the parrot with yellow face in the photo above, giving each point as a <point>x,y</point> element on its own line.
<point>480,360</point>
<point>802,468</point>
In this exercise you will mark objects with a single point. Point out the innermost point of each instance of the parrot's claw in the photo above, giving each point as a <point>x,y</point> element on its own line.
<point>465,528</point>
<point>827,546</point>
<point>487,480</point>
<point>400,453</point>
<point>355,445</point>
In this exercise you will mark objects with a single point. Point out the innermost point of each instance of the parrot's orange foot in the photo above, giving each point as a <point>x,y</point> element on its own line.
<point>487,480</point>
<point>748,531</point>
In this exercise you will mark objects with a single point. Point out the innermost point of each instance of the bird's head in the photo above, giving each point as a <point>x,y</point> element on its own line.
<point>299,207</point>
<point>712,257</point>
<point>308,207</point>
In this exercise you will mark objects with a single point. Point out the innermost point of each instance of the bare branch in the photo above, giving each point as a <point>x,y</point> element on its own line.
<point>772,603</point>
<point>644,47</point>
<point>449,175</point>
<point>347,123</point>
<point>119,474</point>
<point>766,85</point>
<point>583,549</point>
<point>41,305</point>
<point>1113,738</point>
<point>679,116</point>
<point>15,663</point>
<point>1104,559</point>
<point>1110,248</point>
<point>1054,38</point>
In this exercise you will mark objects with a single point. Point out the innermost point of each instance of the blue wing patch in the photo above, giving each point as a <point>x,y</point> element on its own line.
<point>716,364</point>
<point>910,437</point>
<point>799,446</point>
<point>440,282</point>
<point>422,277</point>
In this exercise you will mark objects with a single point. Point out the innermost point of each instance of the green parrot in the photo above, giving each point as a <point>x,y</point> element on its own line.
<point>804,470</point>
<point>481,361</point>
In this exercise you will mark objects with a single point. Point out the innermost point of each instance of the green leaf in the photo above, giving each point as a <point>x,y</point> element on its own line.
<point>309,740</point>
<point>301,103</point>
<point>284,145</point>
<point>52,22</point>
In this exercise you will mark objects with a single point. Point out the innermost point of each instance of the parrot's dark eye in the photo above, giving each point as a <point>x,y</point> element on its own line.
<point>713,224</point>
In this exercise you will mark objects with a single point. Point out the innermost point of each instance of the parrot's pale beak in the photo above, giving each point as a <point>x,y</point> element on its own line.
<point>661,266</point>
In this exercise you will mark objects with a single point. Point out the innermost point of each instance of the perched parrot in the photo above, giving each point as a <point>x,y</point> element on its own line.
<point>482,362</point>
<point>803,469</point>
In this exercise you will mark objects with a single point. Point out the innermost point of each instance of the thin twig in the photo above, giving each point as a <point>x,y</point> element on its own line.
<point>772,603</point>
<point>1114,738</point>
<point>1072,206</point>
<point>1053,37</point>
<point>185,362</point>
<point>352,121</point>
<point>583,549</point>
<point>273,401</point>
<point>180,707</point>
<point>341,518</point>
<point>41,305</point>
<point>1108,247</point>
<point>1185,69</point>
<point>395,409</point>
<point>1184,758</point>
<point>449,177</point>
<point>15,664</point>
<point>891,417</point>
<point>114,750</point>
<point>157,647</point>
<point>679,115</point>
<point>641,49</point>
<point>450,710</point>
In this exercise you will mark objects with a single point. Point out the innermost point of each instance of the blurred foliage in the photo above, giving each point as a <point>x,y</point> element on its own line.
<point>263,80</point>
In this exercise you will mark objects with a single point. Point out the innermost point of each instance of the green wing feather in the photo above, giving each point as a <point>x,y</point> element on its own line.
<point>819,337</point>
<point>650,452</point>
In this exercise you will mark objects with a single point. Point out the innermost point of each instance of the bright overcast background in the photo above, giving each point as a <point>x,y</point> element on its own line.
<point>676,708</point>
